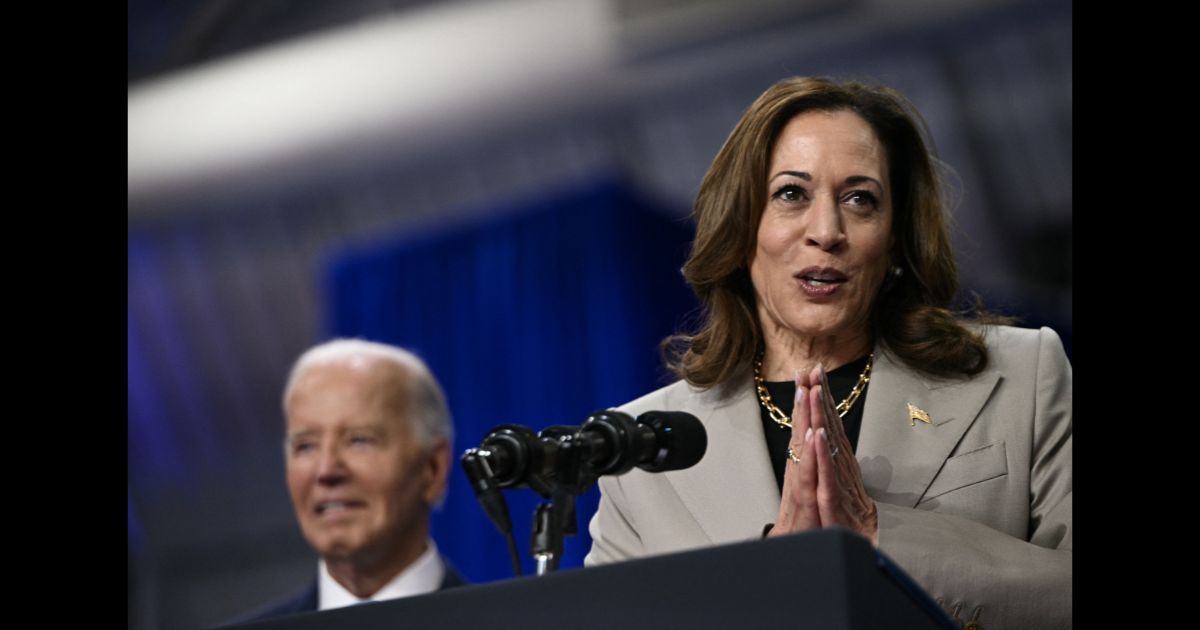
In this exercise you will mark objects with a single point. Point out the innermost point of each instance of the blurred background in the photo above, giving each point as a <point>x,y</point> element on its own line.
<point>502,187</point>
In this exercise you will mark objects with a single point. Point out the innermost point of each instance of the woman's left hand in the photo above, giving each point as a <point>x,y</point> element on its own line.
<point>842,500</point>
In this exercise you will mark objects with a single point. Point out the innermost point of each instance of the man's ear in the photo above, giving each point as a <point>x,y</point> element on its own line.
<point>438,470</point>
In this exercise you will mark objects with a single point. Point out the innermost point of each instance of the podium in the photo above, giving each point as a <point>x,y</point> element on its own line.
<point>828,579</point>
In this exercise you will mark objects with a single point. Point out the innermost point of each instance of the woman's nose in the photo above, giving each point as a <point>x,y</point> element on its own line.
<point>825,229</point>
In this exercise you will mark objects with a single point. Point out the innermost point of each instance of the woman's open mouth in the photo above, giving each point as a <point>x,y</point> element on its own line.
<point>821,281</point>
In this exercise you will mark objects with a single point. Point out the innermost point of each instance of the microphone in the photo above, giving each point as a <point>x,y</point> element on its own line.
<point>563,461</point>
<point>608,443</point>
<point>657,441</point>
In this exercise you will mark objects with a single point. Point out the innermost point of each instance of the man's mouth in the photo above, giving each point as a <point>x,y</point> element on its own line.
<point>331,507</point>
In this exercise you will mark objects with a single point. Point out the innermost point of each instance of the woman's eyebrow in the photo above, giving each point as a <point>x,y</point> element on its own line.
<point>858,179</point>
<point>800,174</point>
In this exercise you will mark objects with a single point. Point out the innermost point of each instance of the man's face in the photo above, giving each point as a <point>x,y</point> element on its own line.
<point>360,483</point>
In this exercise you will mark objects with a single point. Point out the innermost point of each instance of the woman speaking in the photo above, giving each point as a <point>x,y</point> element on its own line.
<point>837,387</point>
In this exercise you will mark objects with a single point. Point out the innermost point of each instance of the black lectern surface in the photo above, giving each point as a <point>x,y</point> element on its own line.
<point>824,579</point>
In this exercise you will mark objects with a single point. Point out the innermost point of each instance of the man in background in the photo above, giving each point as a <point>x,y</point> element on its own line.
<point>368,456</point>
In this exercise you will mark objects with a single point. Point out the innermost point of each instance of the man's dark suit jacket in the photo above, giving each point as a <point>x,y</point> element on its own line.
<point>306,600</point>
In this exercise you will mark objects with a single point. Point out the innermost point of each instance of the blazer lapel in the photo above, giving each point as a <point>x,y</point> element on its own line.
<point>731,493</point>
<point>898,458</point>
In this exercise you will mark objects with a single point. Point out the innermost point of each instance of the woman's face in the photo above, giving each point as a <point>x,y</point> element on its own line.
<point>825,234</point>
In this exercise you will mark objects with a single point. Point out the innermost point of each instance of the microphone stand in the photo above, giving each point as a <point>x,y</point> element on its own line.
<point>556,517</point>
<point>548,530</point>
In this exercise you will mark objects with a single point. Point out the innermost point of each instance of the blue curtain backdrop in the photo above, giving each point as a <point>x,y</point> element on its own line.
<point>540,317</point>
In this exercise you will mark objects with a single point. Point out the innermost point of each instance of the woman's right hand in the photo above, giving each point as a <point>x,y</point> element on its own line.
<point>821,489</point>
<point>798,510</point>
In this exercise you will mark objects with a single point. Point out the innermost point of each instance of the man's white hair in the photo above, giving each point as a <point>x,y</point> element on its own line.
<point>428,414</point>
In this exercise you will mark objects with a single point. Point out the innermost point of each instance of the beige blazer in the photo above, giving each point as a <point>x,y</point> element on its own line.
<point>976,506</point>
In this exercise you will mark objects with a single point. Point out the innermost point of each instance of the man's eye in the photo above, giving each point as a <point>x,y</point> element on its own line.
<point>303,447</point>
<point>362,439</point>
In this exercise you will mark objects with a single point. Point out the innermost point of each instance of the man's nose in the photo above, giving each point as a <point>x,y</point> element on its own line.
<point>331,468</point>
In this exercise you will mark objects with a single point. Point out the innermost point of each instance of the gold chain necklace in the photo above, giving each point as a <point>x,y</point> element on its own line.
<point>777,414</point>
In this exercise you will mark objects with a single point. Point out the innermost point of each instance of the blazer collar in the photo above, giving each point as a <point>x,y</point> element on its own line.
<point>731,492</point>
<point>900,458</point>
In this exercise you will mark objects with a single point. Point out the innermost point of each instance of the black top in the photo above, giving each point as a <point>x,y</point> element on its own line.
<point>783,394</point>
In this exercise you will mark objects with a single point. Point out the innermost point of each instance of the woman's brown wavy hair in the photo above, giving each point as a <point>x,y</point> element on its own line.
<point>911,314</point>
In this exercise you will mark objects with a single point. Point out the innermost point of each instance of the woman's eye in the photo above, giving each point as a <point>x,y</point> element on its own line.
<point>303,447</point>
<point>861,198</point>
<point>789,193</point>
<point>362,439</point>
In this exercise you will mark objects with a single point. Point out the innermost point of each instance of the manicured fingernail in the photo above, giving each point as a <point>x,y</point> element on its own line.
<point>799,398</point>
<point>825,442</point>
<point>808,435</point>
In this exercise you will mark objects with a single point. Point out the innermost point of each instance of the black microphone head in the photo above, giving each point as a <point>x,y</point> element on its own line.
<point>515,454</point>
<point>682,440</point>
<point>623,442</point>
